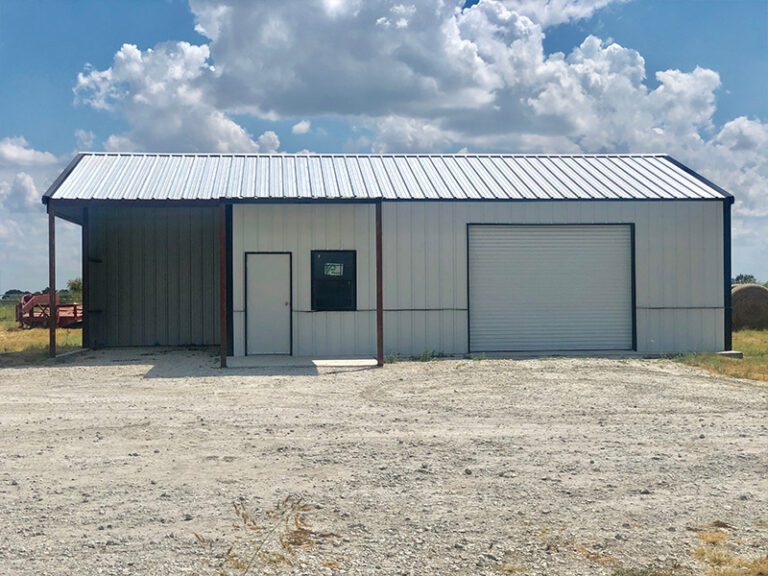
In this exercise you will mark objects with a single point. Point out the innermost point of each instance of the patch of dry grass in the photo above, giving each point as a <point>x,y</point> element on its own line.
<point>722,562</point>
<point>258,543</point>
<point>713,537</point>
<point>721,559</point>
<point>645,572</point>
<point>718,555</point>
<point>20,347</point>
<point>754,365</point>
<point>596,557</point>
<point>509,568</point>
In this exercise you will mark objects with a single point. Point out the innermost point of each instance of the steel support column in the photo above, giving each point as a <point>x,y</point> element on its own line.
<point>52,310</point>
<point>86,276</point>
<point>379,290</point>
<point>223,331</point>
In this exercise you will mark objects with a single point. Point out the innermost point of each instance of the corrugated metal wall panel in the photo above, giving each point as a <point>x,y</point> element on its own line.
<point>668,237</point>
<point>550,288</point>
<point>154,275</point>
<point>299,229</point>
<point>154,271</point>
<point>678,259</point>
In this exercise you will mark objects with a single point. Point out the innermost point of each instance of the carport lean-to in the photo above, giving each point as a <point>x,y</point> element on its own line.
<point>288,254</point>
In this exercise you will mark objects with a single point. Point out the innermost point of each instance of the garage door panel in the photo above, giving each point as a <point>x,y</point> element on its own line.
<point>538,288</point>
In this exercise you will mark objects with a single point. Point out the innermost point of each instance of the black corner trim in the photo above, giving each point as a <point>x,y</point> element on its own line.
<point>61,177</point>
<point>727,316</point>
<point>700,178</point>
<point>633,272</point>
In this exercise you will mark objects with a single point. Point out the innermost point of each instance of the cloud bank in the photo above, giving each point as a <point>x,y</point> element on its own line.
<point>425,76</point>
<point>25,172</point>
<point>413,76</point>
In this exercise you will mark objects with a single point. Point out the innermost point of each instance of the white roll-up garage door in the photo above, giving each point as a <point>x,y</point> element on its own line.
<point>550,288</point>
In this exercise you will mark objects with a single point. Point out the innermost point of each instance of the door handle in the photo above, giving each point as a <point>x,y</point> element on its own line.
<point>287,303</point>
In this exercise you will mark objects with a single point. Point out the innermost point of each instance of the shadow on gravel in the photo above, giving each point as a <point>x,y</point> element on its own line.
<point>202,362</point>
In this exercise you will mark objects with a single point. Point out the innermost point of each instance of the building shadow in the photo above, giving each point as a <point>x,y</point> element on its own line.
<point>203,362</point>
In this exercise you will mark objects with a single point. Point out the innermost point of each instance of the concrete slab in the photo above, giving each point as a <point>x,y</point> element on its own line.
<point>281,361</point>
<point>731,354</point>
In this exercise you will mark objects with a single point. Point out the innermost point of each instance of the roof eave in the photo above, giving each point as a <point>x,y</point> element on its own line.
<point>61,177</point>
<point>727,196</point>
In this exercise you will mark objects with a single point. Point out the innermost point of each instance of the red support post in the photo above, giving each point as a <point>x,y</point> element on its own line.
<point>52,311</point>
<point>86,273</point>
<point>379,290</point>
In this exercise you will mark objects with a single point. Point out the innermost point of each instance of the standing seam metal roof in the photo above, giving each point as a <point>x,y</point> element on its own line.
<point>150,177</point>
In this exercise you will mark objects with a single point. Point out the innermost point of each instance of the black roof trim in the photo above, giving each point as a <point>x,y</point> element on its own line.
<point>727,195</point>
<point>61,177</point>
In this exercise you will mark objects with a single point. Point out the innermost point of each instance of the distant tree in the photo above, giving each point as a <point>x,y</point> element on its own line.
<point>75,285</point>
<point>75,291</point>
<point>12,294</point>
<point>745,279</point>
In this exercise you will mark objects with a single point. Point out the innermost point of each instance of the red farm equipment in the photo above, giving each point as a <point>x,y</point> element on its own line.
<point>34,310</point>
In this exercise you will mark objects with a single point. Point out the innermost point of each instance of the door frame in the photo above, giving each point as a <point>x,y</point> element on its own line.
<point>290,298</point>
<point>632,265</point>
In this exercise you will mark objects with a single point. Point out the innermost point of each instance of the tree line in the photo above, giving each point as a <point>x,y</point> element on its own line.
<point>71,294</point>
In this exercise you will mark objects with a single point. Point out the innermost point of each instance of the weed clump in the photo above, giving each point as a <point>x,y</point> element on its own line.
<point>256,543</point>
<point>428,356</point>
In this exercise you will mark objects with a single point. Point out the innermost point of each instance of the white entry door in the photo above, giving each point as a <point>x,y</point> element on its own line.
<point>546,288</point>
<point>268,303</point>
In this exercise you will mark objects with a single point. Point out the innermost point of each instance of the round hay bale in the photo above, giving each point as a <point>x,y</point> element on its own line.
<point>749,303</point>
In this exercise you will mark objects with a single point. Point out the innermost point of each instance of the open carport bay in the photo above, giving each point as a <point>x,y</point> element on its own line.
<point>111,461</point>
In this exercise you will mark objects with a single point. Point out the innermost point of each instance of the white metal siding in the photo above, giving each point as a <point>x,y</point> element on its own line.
<point>548,288</point>
<point>299,229</point>
<point>678,263</point>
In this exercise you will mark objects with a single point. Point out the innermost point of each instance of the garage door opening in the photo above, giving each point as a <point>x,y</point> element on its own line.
<point>547,288</point>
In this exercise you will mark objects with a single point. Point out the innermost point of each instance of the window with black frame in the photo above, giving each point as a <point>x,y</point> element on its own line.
<point>334,280</point>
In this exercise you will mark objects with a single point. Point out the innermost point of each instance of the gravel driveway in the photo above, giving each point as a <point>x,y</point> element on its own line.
<point>110,462</point>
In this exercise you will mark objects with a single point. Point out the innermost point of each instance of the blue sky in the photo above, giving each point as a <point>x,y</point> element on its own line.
<point>730,36</point>
<point>45,44</point>
<point>40,62</point>
<point>383,76</point>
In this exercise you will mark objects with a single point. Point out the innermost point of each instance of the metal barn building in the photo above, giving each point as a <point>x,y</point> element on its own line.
<point>362,255</point>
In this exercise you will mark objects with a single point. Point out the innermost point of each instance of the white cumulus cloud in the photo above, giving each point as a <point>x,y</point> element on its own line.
<point>20,194</point>
<point>426,75</point>
<point>84,139</point>
<point>164,95</point>
<point>16,150</point>
<point>301,127</point>
<point>553,12</point>
<point>23,238</point>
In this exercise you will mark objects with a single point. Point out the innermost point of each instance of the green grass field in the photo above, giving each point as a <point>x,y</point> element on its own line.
<point>754,365</point>
<point>20,347</point>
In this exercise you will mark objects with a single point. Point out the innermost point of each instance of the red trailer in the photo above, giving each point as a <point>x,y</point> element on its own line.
<point>34,310</point>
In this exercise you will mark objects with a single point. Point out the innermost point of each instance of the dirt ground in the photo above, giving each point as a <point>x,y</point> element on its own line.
<point>110,462</point>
